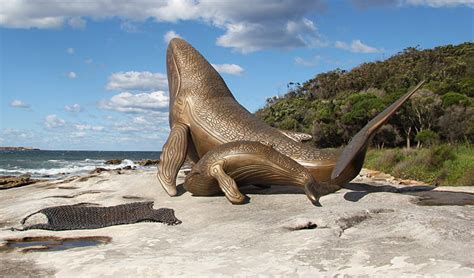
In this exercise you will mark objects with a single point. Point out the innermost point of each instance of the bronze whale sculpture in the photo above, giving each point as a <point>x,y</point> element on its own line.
<point>246,162</point>
<point>204,115</point>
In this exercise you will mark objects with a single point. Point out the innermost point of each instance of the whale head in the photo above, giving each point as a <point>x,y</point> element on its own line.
<point>189,73</point>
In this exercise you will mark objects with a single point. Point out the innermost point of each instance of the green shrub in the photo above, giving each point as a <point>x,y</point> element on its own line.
<point>427,137</point>
<point>388,159</point>
<point>444,165</point>
<point>440,154</point>
<point>468,178</point>
<point>452,98</point>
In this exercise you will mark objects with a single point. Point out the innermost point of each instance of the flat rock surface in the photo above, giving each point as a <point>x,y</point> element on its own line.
<point>371,228</point>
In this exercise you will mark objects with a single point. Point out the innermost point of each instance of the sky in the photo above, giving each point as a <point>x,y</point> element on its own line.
<point>91,74</point>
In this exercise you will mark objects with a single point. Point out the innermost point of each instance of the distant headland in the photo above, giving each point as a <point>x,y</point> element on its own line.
<point>18,149</point>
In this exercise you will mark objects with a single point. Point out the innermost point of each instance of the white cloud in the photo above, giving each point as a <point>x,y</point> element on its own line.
<point>431,3</point>
<point>72,75</point>
<point>341,45</point>
<point>170,35</point>
<point>16,136</point>
<point>365,4</point>
<point>78,134</point>
<point>137,81</point>
<point>88,61</point>
<point>264,24</point>
<point>229,68</point>
<point>73,108</point>
<point>248,37</point>
<point>77,22</point>
<point>19,104</point>
<point>308,62</point>
<point>53,121</point>
<point>439,3</point>
<point>248,26</point>
<point>70,51</point>
<point>83,127</point>
<point>136,103</point>
<point>149,124</point>
<point>139,120</point>
<point>130,27</point>
<point>357,47</point>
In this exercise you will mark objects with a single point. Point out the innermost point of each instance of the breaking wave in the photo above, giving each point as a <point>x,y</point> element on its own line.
<point>56,168</point>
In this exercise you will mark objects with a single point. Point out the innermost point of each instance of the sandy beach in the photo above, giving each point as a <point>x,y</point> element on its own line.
<point>376,227</point>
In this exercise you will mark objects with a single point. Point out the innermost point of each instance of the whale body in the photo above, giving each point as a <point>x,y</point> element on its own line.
<point>204,115</point>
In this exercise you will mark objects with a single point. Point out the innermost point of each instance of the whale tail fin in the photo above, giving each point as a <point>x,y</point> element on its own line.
<point>352,157</point>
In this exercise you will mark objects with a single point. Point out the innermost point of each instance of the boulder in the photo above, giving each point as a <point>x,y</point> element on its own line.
<point>98,170</point>
<point>113,161</point>
<point>148,162</point>
<point>15,181</point>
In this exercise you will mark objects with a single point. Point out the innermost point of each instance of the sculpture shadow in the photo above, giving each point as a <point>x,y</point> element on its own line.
<point>271,190</point>
<point>180,189</point>
<point>426,196</point>
<point>252,189</point>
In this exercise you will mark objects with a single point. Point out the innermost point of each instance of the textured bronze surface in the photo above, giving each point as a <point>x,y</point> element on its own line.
<point>81,216</point>
<point>204,115</point>
<point>234,164</point>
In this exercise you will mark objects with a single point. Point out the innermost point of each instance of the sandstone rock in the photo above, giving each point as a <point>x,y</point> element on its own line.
<point>148,162</point>
<point>98,170</point>
<point>375,229</point>
<point>113,161</point>
<point>13,181</point>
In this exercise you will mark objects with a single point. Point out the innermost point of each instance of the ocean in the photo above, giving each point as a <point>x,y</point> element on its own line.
<point>56,164</point>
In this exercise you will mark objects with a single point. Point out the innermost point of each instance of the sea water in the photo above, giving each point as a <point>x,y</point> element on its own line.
<point>55,164</point>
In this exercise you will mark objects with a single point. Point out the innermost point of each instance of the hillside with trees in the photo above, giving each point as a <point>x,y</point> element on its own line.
<point>334,105</point>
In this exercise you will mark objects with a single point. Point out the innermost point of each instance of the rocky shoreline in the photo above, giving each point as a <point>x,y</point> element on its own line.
<point>377,225</point>
<point>7,182</point>
<point>143,162</point>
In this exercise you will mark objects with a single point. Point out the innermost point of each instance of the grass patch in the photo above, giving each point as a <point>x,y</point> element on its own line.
<point>442,165</point>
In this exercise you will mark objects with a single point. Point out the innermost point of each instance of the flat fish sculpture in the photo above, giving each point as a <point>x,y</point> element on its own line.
<point>82,216</point>
<point>205,117</point>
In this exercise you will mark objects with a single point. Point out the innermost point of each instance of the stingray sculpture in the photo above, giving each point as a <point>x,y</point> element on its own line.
<point>232,147</point>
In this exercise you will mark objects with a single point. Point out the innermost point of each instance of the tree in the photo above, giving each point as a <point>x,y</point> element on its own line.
<point>336,104</point>
<point>456,124</point>
<point>426,107</point>
<point>387,135</point>
<point>427,137</point>
<point>452,98</point>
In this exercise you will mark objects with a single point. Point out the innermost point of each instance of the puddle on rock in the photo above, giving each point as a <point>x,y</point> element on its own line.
<point>131,197</point>
<point>29,244</point>
<point>66,187</point>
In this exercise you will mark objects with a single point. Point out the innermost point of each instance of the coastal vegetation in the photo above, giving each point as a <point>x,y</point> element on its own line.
<point>440,165</point>
<point>436,124</point>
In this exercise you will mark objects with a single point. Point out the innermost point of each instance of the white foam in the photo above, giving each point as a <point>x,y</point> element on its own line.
<point>72,168</point>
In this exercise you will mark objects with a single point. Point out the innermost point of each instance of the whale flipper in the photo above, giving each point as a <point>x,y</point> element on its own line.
<point>172,157</point>
<point>354,153</point>
<point>227,184</point>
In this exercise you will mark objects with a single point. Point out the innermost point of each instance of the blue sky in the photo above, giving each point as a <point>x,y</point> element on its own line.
<point>91,75</point>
